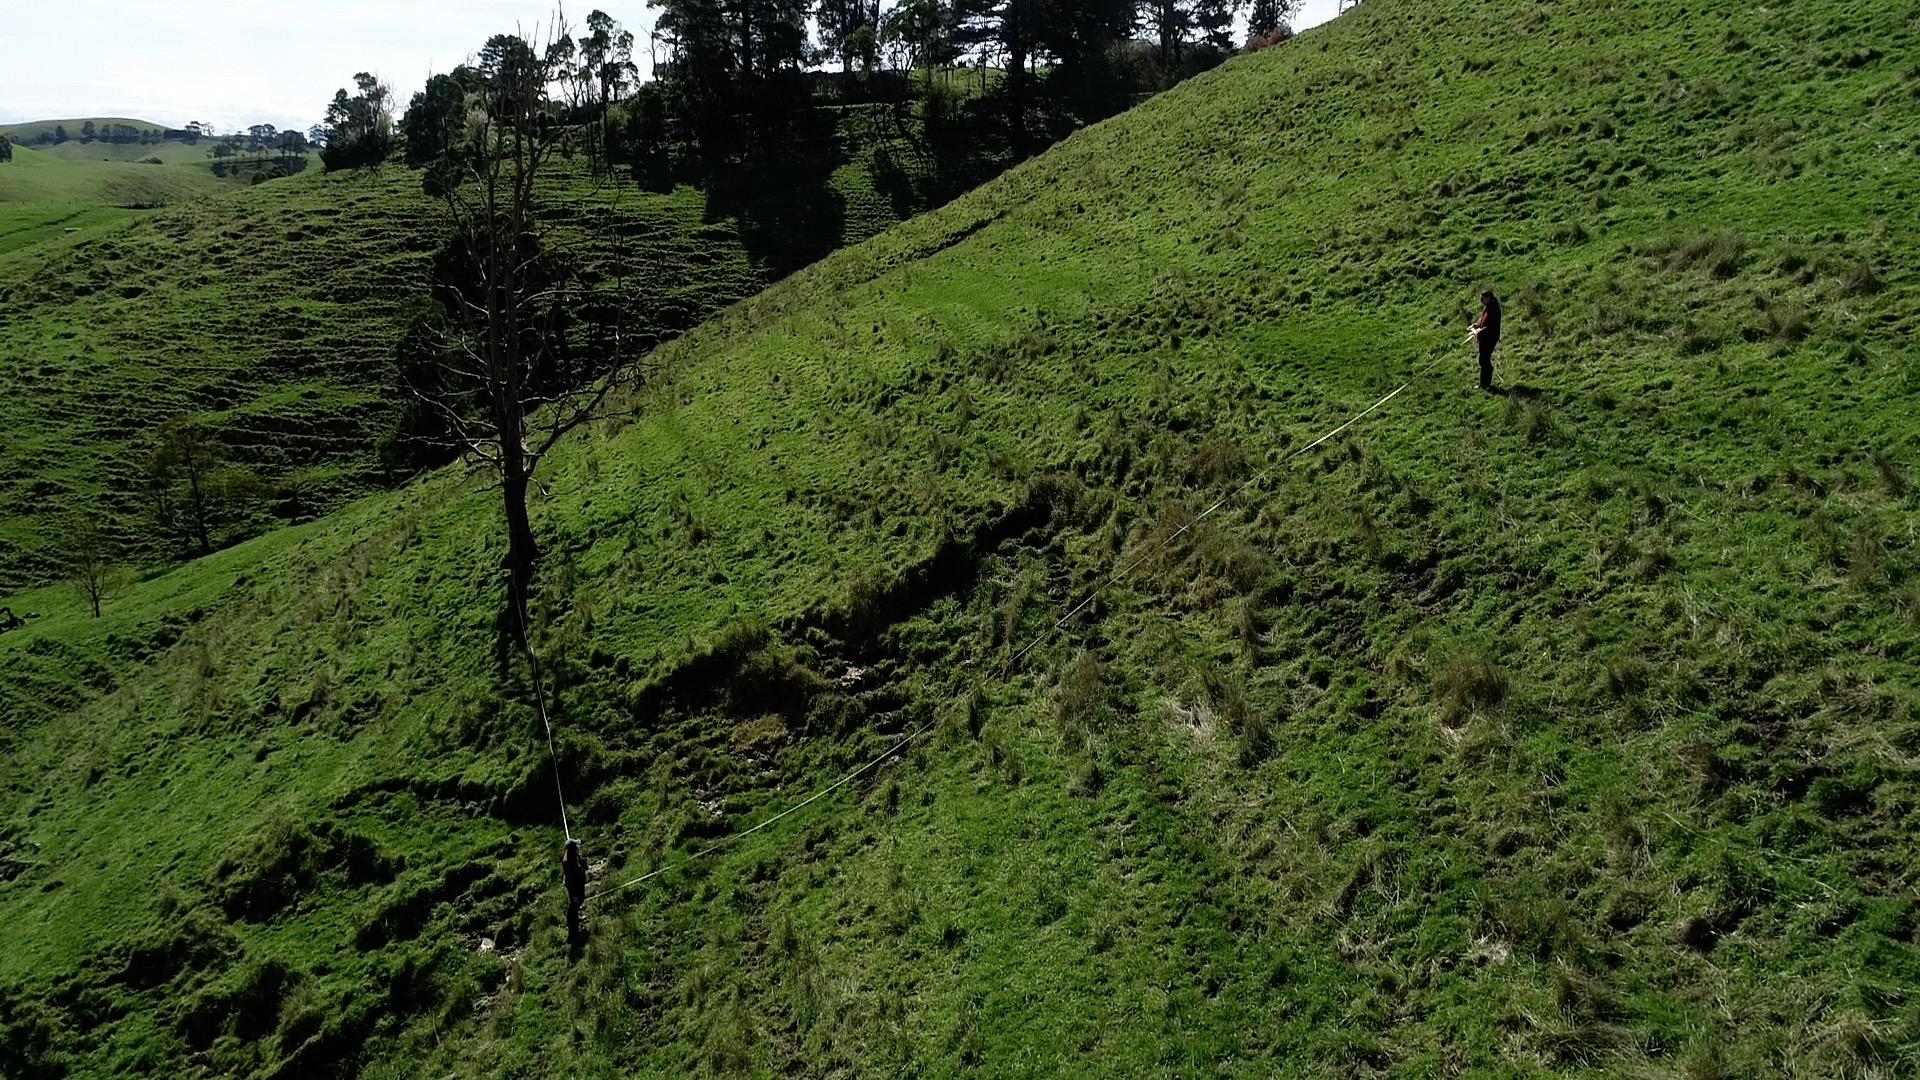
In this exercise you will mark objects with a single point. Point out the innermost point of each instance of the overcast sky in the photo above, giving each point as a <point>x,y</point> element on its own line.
<point>265,61</point>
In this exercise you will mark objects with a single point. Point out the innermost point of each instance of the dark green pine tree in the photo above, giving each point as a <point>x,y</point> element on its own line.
<point>728,62</point>
<point>1266,16</point>
<point>1076,34</point>
<point>841,23</point>
<point>435,120</point>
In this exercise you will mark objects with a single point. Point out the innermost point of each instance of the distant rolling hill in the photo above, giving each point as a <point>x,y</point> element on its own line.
<point>167,151</point>
<point>44,176</point>
<point>273,314</point>
<point>32,130</point>
<point>54,190</point>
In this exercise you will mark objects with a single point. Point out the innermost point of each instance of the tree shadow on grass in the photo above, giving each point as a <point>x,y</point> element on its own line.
<point>781,194</point>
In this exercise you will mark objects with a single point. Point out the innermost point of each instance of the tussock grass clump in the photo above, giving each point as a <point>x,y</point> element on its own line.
<point>1241,719</point>
<point>1797,263</point>
<point>1893,479</point>
<point>1246,622</point>
<point>1612,315</point>
<point>1704,766</point>
<point>942,450</point>
<point>1215,462</point>
<point>1716,253</point>
<point>1068,498</point>
<point>1546,928</point>
<point>1907,603</point>
<point>1088,776</point>
<point>1653,560</point>
<point>1597,486</point>
<point>1858,279</point>
<point>1690,339</point>
<point>1866,561</point>
<point>864,596</point>
<point>1530,304</point>
<point>1786,321</point>
<point>966,712</point>
<point>1624,676</point>
<point>1006,617</point>
<point>1000,757</point>
<point>994,364</point>
<point>1080,694</point>
<point>1469,682</point>
<point>1253,740</point>
<point>1534,418</point>
<point>1238,564</point>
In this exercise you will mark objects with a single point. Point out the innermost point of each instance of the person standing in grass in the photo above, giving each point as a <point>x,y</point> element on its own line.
<point>1487,332</point>
<point>575,872</point>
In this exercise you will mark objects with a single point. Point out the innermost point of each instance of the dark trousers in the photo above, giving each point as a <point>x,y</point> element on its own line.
<point>1487,342</point>
<point>573,916</point>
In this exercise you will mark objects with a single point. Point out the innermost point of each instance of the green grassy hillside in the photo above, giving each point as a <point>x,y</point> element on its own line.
<point>1568,730</point>
<point>273,314</point>
<point>50,198</point>
<point>167,152</point>
<point>42,176</point>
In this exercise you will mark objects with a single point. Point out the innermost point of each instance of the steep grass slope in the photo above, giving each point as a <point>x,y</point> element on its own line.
<point>1569,730</point>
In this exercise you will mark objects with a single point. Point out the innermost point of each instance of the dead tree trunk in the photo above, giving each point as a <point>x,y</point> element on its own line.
<point>505,392</point>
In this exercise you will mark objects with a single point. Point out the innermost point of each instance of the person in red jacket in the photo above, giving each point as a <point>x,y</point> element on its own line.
<point>574,870</point>
<point>1487,332</point>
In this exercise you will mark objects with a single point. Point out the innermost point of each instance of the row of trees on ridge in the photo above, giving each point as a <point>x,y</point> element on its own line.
<point>728,75</point>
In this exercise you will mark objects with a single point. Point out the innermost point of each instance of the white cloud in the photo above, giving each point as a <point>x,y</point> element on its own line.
<point>266,61</point>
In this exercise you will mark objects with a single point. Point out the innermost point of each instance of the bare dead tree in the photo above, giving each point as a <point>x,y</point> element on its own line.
<point>519,367</point>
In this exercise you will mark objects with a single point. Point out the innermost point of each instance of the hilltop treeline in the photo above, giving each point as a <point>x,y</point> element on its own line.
<point>947,93</point>
<point>973,84</point>
<point>117,134</point>
<point>288,148</point>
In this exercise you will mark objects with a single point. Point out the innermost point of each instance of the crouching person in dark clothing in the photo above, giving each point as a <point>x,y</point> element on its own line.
<point>574,869</point>
<point>1487,332</point>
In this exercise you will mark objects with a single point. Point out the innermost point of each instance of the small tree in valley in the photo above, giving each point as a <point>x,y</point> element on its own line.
<point>195,488</point>
<point>92,562</point>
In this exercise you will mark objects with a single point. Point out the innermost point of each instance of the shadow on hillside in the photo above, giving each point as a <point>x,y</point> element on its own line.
<point>780,191</point>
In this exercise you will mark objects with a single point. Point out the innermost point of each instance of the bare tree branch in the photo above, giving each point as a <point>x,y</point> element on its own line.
<point>519,363</point>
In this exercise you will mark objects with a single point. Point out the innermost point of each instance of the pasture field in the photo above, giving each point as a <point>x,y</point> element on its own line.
<point>39,176</point>
<point>1568,730</point>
